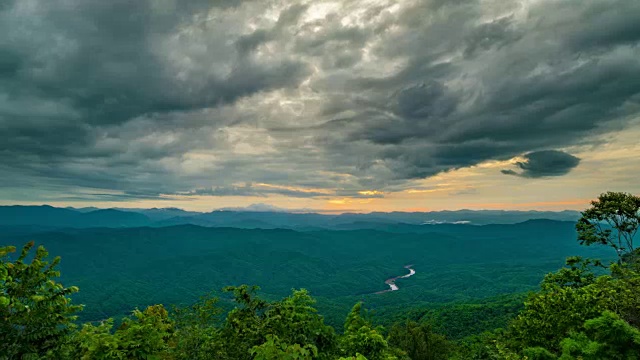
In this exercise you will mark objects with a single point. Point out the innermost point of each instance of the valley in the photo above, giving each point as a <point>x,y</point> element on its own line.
<point>120,268</point>
<point>460,290</point>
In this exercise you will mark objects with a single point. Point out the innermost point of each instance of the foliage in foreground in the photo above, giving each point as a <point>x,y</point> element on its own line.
<point>36,316</point>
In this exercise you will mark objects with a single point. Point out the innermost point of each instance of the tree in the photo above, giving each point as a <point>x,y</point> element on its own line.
<point>419,341</point>
<point>243,327</point>
<point>356,357</point>
<point>145,336</point>
<point>197,336</point>
<point>36,314</point>
<point>295,321</point>
<point>95,343</point>
<point>605,337</point>
<point>613,219</point>
<point>284,329</point>
<point>361,338</point>
<point>538,353</point>
<point>274,349</point>
<point>597,316</point>
<point>550,315</point>
<point>578,274</point>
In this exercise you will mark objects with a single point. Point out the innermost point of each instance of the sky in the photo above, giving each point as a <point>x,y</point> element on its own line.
<point>334,106</point>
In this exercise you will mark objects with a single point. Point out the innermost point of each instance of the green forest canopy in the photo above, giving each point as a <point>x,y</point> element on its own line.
<point>120,269</point>
<point>586,310</point>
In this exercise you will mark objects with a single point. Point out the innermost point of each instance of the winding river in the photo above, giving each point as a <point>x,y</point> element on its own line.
<point>392,281</point>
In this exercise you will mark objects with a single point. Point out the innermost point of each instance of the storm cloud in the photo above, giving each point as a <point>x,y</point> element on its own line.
<point>165,97</point>
<point>544,163</point>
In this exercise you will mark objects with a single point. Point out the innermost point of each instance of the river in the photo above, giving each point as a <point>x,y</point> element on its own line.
<point>392,281</point>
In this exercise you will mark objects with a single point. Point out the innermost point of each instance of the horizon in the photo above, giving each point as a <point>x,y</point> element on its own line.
<point>253,208</point>
<point>336,106</point>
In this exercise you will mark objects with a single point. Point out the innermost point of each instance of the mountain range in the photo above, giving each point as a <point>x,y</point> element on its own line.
<point>48,216</point>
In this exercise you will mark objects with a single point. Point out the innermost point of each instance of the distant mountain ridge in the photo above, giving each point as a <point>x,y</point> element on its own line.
<point>48,216</point>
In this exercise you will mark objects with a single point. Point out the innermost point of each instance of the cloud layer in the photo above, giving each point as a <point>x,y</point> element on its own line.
<point>309,98</point>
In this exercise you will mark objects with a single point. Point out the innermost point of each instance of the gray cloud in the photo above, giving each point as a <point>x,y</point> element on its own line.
<point>168,97</point>
<point>250,190</point>
<point>108,63</point>
<point>545,163</point>
<point>492,35</point>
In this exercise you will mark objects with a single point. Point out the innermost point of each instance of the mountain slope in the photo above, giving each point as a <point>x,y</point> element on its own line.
<point>119,268</point>
<point>48,216</point>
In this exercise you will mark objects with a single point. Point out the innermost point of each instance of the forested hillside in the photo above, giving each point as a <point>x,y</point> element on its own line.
<point>48,216</point>
<point>465,301</point>
<point>120,268</point>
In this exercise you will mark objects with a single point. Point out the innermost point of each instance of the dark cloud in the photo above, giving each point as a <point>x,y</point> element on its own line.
<point>525,88</point>
<point>160,97</point>
<point>545,163</point>
<point>110,62</point>
<point>491,35</point>
<point>424,101</point>
<point>598,25</point>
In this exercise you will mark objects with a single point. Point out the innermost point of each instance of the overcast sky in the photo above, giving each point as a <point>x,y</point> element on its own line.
<point>328,105</point>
